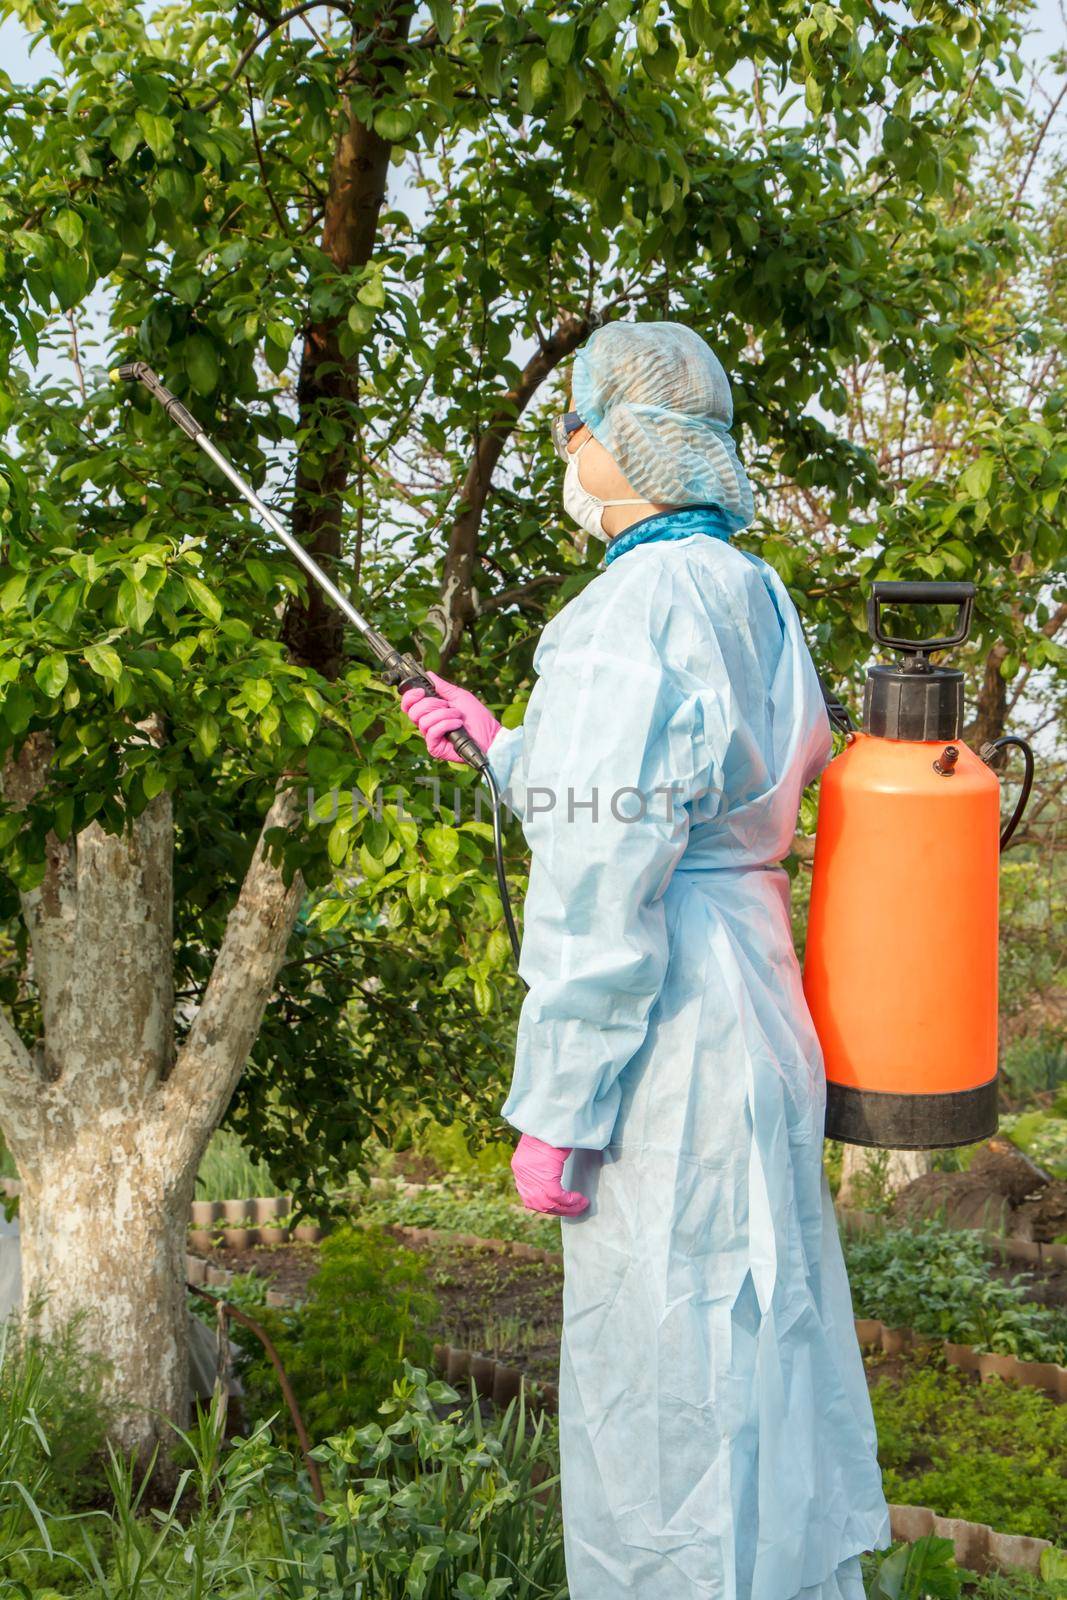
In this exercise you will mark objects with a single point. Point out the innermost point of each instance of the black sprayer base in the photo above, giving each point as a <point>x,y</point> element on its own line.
<point>911,1121</point>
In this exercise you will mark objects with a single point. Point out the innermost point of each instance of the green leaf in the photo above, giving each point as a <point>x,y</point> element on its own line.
<point>603,30</point>
<point>443,19</point>
<point>51,674</point>
<point>104,661</point>
<point>442,845</point>
<point>200,362</point>
<point>258,693</point>
<point>206,730</point>
<point>360,319</point>
<point>134,606</point>
<point>125,139</point>
<point>153,781</point>
<point>300,717</point>
<point>560,44</point>
<point>925,1570</point>
<point>151,92</point>
<point>370,864</point>
<point>69,226</point>
<point>158,132</point>
<point>948,52</point>
<point>978,478</point>
<point>205,601</point>
<point>393,123</point>
<point>483,996</point>
<point>70,278</point>
<point>338,840</point>
<point>372,293</point>
<point>11,593</point>
<point>260,574</point>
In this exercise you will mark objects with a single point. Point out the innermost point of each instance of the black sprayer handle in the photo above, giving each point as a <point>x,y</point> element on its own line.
<point>404,672</point>
<point>987,752</point>
<point>889,592</point>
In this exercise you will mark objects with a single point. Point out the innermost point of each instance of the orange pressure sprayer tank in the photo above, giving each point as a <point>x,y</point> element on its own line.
<point>901,964</point>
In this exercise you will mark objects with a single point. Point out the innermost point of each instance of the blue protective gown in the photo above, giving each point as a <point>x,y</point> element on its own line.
<point>716,1435</point>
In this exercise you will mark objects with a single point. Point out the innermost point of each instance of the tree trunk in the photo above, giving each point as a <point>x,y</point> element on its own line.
<point>106,1123</point>
<point>102,1220</point>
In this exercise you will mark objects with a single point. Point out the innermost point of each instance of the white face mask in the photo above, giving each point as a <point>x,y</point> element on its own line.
<point>582,507</point>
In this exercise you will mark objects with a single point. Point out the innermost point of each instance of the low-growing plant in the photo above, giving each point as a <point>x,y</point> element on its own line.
<point>990,1452</point>
<point>431,1501</point>
<point>53,1423</point>
<point>924,1570</point>
<point>444,1506</point>
<point>454,1209</point>
<point>366,1309</point>
<point>937,1280</point>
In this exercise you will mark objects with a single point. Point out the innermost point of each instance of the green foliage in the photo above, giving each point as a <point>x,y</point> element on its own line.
<point>228,1172</point>
<point>937,1281</point>
<point>1043,1136</point>
<point>446,1144</point>
<point>431,1503</point>
<point>365,1310</point>
<point>443,1507</point>
<point>987,1452</point>
<point>925,1570</point>
<point>53,1423</point>
<point>457,1209</point>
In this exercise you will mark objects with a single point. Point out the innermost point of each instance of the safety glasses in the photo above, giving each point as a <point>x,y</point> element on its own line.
<point>562,428</point>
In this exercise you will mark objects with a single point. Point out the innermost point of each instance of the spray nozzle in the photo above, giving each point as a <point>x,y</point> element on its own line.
<point>141,372</point>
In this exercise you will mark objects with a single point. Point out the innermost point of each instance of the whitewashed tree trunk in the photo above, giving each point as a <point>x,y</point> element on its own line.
<point>106,1121</point>
<point>867,1174</point>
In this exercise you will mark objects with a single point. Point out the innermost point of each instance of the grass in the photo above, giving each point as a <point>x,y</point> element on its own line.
<point>228,1172</point>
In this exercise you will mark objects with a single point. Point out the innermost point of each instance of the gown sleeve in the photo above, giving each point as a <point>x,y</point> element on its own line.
<point>602,779</point>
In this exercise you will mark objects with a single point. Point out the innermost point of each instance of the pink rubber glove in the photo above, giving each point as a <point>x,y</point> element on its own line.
<point>538,1169</point>
<point>436,717</point>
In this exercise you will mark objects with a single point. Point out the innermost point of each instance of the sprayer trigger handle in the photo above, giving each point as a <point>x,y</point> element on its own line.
<point>405,673</point>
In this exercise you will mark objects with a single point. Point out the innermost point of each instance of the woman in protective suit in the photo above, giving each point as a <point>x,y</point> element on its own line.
<point>716,1435</point>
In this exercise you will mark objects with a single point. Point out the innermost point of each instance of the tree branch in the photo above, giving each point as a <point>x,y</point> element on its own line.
<point>20,1082</point>
<point>329,382</point>
<point>521,592</point>
<point>458,605</point>
<point>247,54</point>
<point>242,979</point>
<point>51,910</point>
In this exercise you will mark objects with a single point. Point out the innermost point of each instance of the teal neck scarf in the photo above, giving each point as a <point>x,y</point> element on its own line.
<point>711,520</point>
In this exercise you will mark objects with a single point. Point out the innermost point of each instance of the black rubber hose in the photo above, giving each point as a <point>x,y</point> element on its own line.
<point>498,852</point>
<point>987,752</point>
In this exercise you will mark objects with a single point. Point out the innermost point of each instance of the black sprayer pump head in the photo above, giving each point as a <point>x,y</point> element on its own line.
<point>912,699</point>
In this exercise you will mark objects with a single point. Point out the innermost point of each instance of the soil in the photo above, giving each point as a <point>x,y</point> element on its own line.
<point>499,1306</point>
<point>1045,1285</point>
<point>287,1267</point>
